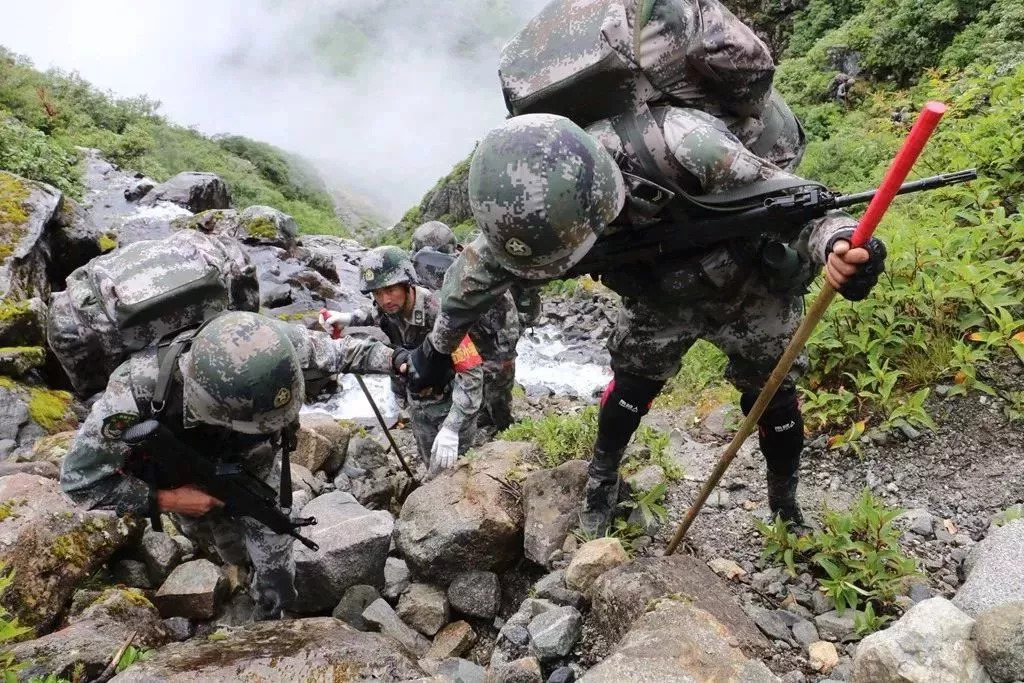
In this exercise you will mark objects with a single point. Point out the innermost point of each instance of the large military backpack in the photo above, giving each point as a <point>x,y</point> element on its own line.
<point>129,299</point>
<point>590,60</point>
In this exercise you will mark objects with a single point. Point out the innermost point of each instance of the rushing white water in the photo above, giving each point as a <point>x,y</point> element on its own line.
<point>545,361</point>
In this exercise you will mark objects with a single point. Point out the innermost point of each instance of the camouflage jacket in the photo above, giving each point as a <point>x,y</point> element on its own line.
<point>712,160</point>
<point>465,391</point>
<point>94,472</point>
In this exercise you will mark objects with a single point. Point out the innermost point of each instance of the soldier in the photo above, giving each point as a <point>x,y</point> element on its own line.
<point>443,415</point>
<point>543,191</point>
<point>236,386</point>
<point>495,334</point>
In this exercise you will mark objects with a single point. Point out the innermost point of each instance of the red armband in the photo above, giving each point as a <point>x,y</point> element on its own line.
<point>466,357</point>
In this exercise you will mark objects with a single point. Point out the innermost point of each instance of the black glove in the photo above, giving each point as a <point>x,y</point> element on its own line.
<point>429,368</point>
<point>859,285</point>
<point>399,358</point>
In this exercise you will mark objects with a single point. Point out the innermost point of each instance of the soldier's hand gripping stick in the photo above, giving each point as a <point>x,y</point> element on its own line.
<point>889,188</point>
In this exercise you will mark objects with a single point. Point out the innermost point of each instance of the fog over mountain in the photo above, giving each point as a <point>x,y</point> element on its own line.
<point>382,97</point>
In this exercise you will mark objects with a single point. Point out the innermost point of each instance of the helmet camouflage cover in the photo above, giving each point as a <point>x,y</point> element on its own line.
<point>385,266</point>
<point>542,190</point>
<point>242,372</point>
<point>435,235</point>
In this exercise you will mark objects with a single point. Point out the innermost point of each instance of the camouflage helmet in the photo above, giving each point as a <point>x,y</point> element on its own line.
<point>435,235</point>
<point>242,372</point>
<point>542,190</point>
<point>385,266</point>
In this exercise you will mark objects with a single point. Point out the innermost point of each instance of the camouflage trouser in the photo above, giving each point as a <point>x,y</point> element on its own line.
<point>243,540</point>
<point>427,417</point>
<point>499,380</point>
<point>751,327</point>
<point>77,347</point>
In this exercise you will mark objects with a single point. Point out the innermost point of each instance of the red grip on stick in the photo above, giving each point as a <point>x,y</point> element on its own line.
<point>898,171</point>
<point>324,315</point>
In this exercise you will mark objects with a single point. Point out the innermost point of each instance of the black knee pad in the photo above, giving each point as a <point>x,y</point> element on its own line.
<point>780,430</point>
<point>626,399</point>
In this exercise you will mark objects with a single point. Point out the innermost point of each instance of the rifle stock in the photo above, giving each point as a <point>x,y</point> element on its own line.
<point>782,213</point>
<point>243,494</point>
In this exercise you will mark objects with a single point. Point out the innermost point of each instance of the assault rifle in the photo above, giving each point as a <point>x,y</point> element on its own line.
<point>243,494</point>
<point>780,213</point>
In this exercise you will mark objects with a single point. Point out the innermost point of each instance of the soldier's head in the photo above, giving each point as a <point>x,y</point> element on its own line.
<point>388,274</point>
<point>435,235</point>
<point>242,373</point>
<point>542,190</point>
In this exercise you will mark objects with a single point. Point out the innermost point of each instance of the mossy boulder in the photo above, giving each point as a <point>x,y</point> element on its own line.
<point>191,190</point>
<point>17,361</point>
<point>77,239</point>
<point>28,413</point>
<point>27,208</point>
<point>320,649</point>
<point>94,635</point>
<point>51,448</point>
<point>52,546</point>
<point>22,323</point>
<point>256,225</point>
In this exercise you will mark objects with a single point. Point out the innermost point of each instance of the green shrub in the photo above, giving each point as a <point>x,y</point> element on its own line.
<point>34,155</point>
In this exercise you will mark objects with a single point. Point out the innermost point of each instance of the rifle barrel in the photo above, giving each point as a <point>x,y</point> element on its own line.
<point>929,183</point>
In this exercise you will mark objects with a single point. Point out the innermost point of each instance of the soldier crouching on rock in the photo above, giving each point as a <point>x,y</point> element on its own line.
<point>229,391</point>
<point>443,416</point>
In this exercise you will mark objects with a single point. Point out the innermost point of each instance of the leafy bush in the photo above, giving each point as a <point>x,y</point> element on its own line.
<point>33,155</point>
<point>817,18</point>
<point>856,558</point>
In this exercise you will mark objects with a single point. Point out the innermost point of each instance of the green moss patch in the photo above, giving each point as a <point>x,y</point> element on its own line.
<point>51,410</point>
<point>13,215</point>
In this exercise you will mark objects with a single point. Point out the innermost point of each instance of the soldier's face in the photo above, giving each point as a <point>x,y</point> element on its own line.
<point>391,299</point>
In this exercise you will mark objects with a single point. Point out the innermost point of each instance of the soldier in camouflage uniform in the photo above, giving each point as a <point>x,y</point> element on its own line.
<point>444,415</point>
<point>128,299</point>
<point>495,334</point>
<point>543,190</point>
<point>235,388</point>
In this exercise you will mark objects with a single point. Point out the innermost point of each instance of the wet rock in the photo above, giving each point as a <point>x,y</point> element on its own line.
<point>25,247</point>
<point>352,605</point>
<point>523,670</point>
<point>454,640</point>
<point>995,574</point>
<point>132,573</point>
<point>677,641</point>
<point>22,323</point>
<point>191,190</point>
<point>76,239</point>
<point>554,633</point>
<point>475,594</point>
<point>593,559</point>
<point>823,656</point>
<point>835,626</point>
<point>353,543</point>
<point>51,546</point>
<point>19,361</point>
<point>621,595</point>
<point>396,578</point>
<point>999,636</point>
<point>193,590</point>
<point>464,519</point>
<point>424,607</point>
<point>139,189</point>
<point>178,628</point>
<point>92,637</point>
<point>161,555</point>
<point>551,502</point>
<point>462,671</point>
<point>931,642</point>
<point>274,295</point>
<point>266,225</point>
<point>290,650</point>
<point>380,614</point>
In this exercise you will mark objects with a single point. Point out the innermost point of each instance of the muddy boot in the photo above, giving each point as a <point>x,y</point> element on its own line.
<point>599,502</point>
<point>782,499</point>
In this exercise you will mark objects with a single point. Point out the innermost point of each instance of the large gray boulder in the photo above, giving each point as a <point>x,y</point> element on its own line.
<point>93,636</point>
<point>551,503</point>
<point>76,239</point>
<point>353,544</point>
<point>621,595</point>
<point>999,637</point>
<point>424,607</point>
<point>319,649</point>
<point>677,641</point>
<point>26,210</point>
<point>930,643</point>
<point>464,519</point>
<point>51,546</point>
<point>194,590</point>
<point>191,190</point>
<point>995,573</point>
<point>322,443</point>
<point>380,614</point>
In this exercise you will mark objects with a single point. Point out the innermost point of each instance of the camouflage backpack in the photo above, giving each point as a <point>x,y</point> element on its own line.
<point>129,299</point>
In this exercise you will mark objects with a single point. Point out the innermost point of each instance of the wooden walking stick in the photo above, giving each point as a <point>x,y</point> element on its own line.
<point>894,177</point>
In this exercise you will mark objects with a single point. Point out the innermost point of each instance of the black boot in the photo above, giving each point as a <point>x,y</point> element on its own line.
<point>782,498</point>
<point>598,510</point>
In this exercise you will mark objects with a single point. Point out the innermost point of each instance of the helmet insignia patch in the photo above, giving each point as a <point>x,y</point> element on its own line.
<point>517,247</point>
<point>282,398</point>
<point>368,275</point>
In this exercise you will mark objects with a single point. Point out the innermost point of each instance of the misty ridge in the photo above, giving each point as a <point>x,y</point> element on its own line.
<point>382,98</point>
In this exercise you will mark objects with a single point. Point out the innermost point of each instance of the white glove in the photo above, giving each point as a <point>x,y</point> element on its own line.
<point>445,450</point>
<point>334,321</point>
